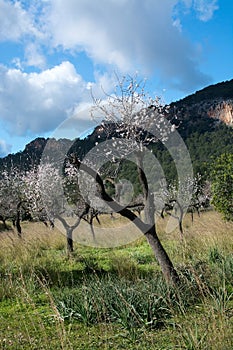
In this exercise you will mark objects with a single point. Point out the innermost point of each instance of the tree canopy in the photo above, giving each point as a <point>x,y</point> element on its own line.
<point>222,185</point>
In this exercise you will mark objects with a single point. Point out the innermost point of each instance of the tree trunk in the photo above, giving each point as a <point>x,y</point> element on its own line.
<point>69,240</point>
<point>4,224</point>
<point>17,222</point>
<point>161,256</point>
<point>147,227</point>
<point>160,253</point>
<point>18,227</point>
<point>69,233</point>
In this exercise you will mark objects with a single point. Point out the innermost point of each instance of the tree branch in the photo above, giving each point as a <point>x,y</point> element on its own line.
<point>116,207</point>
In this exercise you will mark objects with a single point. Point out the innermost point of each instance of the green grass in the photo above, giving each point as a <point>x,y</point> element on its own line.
<point>117,298</point>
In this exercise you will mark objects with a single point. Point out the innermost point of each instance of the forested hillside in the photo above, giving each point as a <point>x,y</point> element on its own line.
<point>204,120</point>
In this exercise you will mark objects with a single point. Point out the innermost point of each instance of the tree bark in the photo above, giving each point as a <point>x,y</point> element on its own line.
<point>160,253</point>
<point>17,221</point>
<point>69,233</point>
<point>147,227</point>
<point>162,257</point>
<point>4,223</point>
<point>179,217</point>
<point>70,228</point>
<point>69,239</point>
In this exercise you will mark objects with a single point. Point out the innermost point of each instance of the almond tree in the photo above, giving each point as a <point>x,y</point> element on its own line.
<point>34,198</point>
<point>5,207</point>
<point>52,195</point>
<point>132,122</point>
<point>52,185</point>
<point>168,197</point>
<point>5,198</point>
<point>13,203</point>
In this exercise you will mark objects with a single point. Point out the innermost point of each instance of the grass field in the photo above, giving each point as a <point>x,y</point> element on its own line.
<point>116,298</point>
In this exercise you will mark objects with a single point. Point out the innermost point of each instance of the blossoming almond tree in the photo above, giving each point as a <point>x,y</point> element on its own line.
<point>131,121</point>
<point>57,201</point>
<point>166,199</point>
<point>13,202</point>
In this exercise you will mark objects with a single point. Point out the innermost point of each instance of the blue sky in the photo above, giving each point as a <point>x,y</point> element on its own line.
<point>54,52</point>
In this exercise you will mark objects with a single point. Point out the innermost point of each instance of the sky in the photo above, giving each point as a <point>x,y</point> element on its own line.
<point>54,54</point>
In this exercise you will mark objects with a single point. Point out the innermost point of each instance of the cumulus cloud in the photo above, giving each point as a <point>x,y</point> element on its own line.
<point>128,34</point>
<point>125,35</point>
<point>15,22</point>
<point>5,148</point>
<point>38,102</point>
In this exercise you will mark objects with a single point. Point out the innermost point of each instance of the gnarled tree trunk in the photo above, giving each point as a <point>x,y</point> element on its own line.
<point>147,227</point>
<point>160,253</point>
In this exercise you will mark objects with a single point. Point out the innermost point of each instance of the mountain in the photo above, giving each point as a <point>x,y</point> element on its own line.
<point>31,155</point>
<point>223,90</point>
<point>203,119</point>
<point>204,110</point>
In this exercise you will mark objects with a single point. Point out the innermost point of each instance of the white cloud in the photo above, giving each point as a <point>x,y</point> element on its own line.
<point>129,35</point>
<point>38,102</point>
<point>205,9</point>
<point>5,148</point>
<point>14,21</point>
<point>121,35</point>
<point>34,57</point>
<point>177,24</point>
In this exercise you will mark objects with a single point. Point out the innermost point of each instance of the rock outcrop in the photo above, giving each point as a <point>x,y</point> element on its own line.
<point>222,110</point>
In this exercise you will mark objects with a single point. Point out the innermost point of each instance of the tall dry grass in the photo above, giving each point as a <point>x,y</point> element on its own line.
<point>100,296</point>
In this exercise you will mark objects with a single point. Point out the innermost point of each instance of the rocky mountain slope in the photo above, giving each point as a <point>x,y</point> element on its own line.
<point>207,106</point>
<point>204,120</point>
